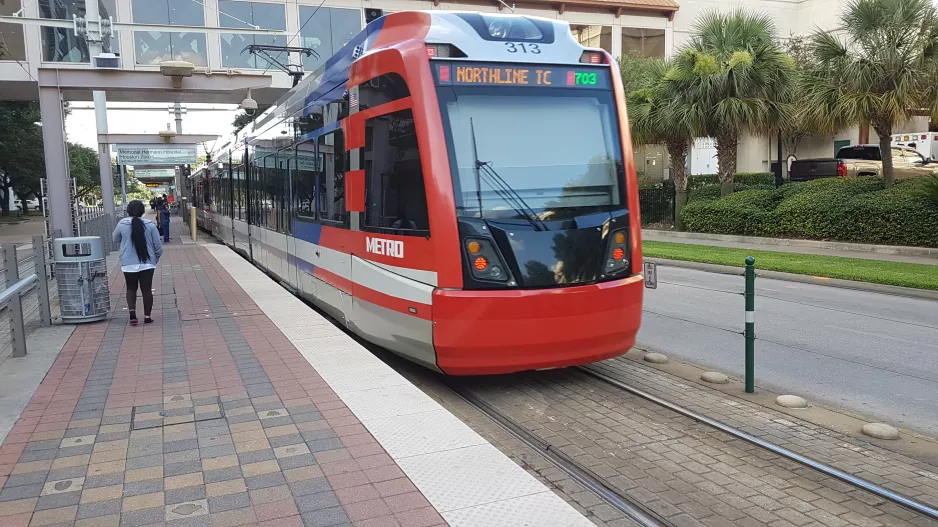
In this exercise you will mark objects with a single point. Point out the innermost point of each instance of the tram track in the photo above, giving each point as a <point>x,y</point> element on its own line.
<point>628,506</point>
<point>860,483</point>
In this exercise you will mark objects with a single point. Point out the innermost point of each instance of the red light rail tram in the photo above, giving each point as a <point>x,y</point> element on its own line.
<point>456,187</point>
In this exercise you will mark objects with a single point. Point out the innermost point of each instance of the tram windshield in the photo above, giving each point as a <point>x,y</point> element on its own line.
<point>531,153</point>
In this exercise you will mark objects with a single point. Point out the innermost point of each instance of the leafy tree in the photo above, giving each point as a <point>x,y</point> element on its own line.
<point>879,66</point>
<point>660,113</point>
<point>737,76</point>
<point>799,125</point>
<point>21,157</point>
<point>242,119</point>
<point>22,160</point>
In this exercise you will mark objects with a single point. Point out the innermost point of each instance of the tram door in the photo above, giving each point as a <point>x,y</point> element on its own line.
<point>287,165</point>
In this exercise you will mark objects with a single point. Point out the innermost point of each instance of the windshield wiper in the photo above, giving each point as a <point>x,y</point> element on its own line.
<point>506,192</point>
<point>477,165</point>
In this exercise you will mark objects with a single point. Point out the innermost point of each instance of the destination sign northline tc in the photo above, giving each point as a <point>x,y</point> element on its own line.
<point>548,77</point>
<point>522,76</point>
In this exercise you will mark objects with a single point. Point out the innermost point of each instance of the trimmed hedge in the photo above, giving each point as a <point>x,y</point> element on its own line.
<point>741,181</point>
<point>850,210</point>
<point>745,179</point>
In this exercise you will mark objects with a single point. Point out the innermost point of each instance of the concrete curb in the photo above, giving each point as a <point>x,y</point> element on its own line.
<point>787,242</point>
<point>926,294</point>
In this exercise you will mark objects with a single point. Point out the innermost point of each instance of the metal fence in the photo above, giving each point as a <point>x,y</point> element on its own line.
<point>656,204</point>
<point>29,295</point>
<point>37,299</point>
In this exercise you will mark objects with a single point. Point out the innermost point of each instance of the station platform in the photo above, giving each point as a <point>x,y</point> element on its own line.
<point>240,405</point>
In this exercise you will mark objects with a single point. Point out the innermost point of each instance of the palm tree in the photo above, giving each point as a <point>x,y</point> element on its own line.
<point>880,66</point>
<point>660,114</point>
<point>738,77</point>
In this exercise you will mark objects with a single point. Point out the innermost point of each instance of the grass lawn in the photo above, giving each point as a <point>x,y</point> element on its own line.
<point>920,276</point>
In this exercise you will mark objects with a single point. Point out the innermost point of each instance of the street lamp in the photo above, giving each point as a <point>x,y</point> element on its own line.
<point>177,69</point>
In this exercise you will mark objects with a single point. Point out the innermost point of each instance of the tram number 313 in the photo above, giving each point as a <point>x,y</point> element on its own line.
<point>520,47</point>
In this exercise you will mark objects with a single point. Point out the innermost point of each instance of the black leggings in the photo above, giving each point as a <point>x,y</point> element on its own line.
<point>145,280</point>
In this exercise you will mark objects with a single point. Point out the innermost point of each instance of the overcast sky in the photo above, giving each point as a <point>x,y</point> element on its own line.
<point>81,129</point>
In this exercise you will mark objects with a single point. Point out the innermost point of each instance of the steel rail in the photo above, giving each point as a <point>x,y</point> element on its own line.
<point>17,287</point>
<point>628,506</point>
<point>850,479</point>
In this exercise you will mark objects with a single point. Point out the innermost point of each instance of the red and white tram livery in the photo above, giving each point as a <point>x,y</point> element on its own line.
<point>456,187</point>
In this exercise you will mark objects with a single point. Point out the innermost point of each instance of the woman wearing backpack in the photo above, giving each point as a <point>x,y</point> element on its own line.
<point>140,251</point>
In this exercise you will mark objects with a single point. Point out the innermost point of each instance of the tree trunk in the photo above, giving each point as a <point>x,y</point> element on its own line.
<point>727,143</point>
<point>5,202</point>
<point>884,131</point>
<point>678,152</point>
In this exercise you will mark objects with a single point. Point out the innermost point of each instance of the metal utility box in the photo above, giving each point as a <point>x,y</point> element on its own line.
<point>81,272</point>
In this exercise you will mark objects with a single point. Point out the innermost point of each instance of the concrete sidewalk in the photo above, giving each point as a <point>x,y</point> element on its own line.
<point>208,417</point>
<point>918,255</point>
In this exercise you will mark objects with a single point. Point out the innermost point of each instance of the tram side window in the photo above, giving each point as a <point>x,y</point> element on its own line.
<point>332,177</point>
<point>273,193</point>
<point>309,123</point>
<point>284,177</point>
<point>238,175</point>
<point>304,180</point>
<point>395,198</point>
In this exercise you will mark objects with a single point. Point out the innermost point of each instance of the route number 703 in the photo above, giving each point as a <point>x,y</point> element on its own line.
<point>521,47</point>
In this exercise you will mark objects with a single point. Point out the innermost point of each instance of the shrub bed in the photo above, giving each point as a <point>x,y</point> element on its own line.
<point>850,210</point>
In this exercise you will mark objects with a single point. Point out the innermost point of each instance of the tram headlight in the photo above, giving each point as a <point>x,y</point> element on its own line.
<point>498,29</point>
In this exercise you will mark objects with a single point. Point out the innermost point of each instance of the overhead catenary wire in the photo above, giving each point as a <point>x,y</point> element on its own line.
<point>5,46</point>
<point>296,34</point>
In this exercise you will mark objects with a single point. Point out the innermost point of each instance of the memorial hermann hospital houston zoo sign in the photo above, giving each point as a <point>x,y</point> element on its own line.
<point>157,155</point>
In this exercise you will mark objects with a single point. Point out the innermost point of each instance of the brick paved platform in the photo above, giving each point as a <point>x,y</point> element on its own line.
<point>210,416</point>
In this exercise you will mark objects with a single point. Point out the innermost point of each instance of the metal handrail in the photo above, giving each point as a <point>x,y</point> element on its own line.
<point>16,288</point>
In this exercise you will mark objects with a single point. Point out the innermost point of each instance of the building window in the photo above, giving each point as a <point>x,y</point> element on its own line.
<point>62,45</point>
<point>242,15</point>
<point>641,42</point>
<point>325,30</point>
<point>593,36</point>
<point>12,39</point>
<point>153,47</point>
<point>395,198</point>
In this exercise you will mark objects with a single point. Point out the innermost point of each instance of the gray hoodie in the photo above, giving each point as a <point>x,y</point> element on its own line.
<point>127,252</point>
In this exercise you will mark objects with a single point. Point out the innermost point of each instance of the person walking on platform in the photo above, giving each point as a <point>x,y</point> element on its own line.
<point>140,251</point>
<point>164,220</point>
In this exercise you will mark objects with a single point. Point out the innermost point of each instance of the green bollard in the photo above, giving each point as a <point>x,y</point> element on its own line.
<point>750,324</point>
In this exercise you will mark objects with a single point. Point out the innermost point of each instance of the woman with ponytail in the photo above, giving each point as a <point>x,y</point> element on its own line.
<point>140,251</point>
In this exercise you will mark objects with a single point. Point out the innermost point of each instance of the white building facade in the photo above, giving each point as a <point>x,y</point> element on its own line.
<point>650,28</point>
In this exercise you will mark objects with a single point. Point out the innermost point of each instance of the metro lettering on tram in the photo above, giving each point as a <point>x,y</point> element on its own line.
<point>458,188</point>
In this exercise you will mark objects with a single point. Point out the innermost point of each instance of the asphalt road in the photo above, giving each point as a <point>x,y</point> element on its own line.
<point>870,353</point>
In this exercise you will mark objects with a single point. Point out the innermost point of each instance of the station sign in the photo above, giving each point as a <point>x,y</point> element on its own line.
<point>153,185</point>
<point>157,155</point>
<point>155,173</point>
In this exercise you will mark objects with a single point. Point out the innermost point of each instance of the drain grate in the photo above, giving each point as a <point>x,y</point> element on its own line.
<point>176,409</point>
